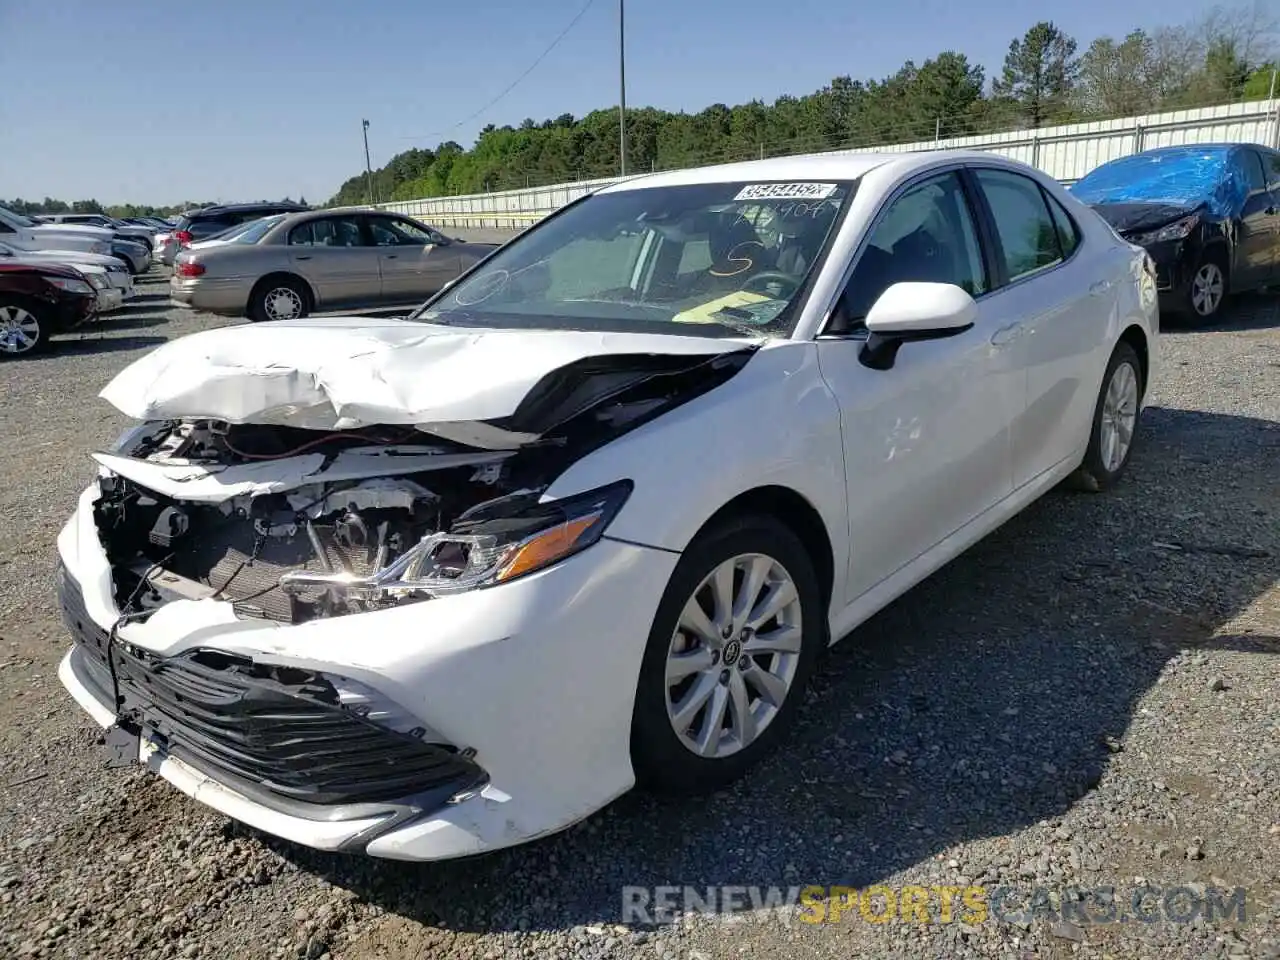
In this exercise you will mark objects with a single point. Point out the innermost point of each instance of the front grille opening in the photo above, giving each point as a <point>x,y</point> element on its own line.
<point>282,730</point>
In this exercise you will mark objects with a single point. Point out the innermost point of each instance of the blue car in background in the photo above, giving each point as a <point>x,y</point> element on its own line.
<point>1208,215</point>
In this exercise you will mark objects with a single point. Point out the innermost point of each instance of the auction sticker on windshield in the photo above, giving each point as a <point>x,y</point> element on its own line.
<point>786,191</point>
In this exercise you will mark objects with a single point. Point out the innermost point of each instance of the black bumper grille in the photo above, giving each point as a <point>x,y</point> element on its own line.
<point>279,730</point>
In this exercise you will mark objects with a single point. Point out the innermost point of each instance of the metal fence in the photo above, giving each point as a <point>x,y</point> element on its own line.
<point>1066,152</point>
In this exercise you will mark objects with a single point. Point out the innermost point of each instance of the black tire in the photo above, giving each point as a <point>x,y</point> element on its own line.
<point>1212,264</point>
<point>31,312</point>
<point>1093,475</point>
<point>662,761</point>
<point>268,288</point>
<point>133,271</point>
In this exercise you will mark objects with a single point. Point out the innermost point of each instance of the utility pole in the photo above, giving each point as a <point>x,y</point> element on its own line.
<point>368,167</point>
<point>622,85</point>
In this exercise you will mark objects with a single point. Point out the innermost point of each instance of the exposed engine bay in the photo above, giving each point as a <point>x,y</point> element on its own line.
<point>291,524</point>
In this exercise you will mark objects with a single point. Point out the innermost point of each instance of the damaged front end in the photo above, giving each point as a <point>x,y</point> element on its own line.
<point>291,524</point>
<point>224,524</point>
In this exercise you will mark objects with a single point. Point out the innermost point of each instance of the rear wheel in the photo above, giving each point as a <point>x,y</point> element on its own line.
<point>1115,422</point>
<point>282,298</point>
<point>732,646</point>
<point>23,328</point>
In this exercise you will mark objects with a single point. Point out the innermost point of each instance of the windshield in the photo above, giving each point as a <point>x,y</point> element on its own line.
<point>15,219</point>
<point>699,259</point>
<point>251,232</point>
<point>1173,176</point>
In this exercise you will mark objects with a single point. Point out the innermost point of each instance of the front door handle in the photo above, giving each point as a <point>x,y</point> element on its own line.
<point>390,256</point>
<point>307,257</point>
<point>1101,286</point>
<point>1006,335</point>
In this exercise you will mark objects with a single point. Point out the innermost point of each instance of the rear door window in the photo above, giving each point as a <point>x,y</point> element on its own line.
<point>328,232</point>
<point>1024,225</point>
<point>1068,232</point>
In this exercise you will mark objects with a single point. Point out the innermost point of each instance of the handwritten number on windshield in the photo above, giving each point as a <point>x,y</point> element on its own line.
<point>736,256</point>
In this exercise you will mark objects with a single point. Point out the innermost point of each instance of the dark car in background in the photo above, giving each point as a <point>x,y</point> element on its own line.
<point>37,301</point>
<point>1208,215</point>
<point>207,222</point>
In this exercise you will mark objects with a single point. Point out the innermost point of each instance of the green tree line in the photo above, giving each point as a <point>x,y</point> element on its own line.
<point>1045,79</point>
<point>50,205</point>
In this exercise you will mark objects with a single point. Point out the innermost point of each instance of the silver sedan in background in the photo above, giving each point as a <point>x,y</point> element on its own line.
<point>284,267</point>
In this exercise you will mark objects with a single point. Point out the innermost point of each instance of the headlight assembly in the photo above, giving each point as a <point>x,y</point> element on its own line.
<point>69,285</point>
<point>490,544</point>
<point>1178,230</point>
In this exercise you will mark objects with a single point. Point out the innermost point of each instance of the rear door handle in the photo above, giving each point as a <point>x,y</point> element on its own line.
<point>1101,286</point>
<point>389,256</point>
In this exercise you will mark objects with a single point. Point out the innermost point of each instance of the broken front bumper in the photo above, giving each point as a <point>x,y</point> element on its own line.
<point>511,705</point>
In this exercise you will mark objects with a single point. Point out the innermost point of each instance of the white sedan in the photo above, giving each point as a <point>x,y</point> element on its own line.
<point>429,587</point>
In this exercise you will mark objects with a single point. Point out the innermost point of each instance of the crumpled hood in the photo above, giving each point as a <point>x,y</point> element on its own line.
<point>345,372</point>
<point>1142,217</point>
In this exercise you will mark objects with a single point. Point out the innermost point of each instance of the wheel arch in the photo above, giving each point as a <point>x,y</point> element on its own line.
<point>798,514</point>
<point>1219,249</point>
<point>1134,336</point>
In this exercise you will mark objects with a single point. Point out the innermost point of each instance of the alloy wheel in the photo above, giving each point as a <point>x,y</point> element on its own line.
<point>19,330</point>
<point>1207,289</point>
<point>283,303</point>
<point>1119,415</point>
<point>733,655</point>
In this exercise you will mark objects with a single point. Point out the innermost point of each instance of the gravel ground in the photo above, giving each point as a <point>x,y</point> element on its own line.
<point>1088,698</point>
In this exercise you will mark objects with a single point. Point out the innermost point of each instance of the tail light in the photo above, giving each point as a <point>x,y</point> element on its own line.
<point>183,237</point>
<point>186,269</point>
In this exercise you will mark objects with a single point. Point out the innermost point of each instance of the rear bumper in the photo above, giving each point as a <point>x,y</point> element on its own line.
<point>225,296</point>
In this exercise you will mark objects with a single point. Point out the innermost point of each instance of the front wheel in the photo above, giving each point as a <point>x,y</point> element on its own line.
<point>282,299</point>
<point>1208,290</point>
<point>732,646</point>
<point>1115,422</point>
<point>23,329</point>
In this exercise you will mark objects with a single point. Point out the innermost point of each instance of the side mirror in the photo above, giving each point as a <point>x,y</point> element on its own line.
<point>914,311</point>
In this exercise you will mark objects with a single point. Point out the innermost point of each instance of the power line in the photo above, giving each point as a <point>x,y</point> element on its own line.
<point>516,82</point>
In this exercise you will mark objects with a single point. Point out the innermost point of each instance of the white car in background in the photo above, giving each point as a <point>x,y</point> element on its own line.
<point>117,274</point>
<point>24,232</point>
<point>123,231</point>
<point>429,587</point>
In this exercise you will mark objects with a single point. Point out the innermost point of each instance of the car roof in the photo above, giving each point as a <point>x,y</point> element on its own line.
<point>816,167</point>
<point>245,208</point>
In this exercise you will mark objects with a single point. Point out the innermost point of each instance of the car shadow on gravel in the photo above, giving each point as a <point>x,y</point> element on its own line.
<point>134,320</point>
<point>988,699</point>
<point>92,343</point>
<point>1256,310</point>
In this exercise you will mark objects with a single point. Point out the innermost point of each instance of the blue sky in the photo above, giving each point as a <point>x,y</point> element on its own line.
<point>165,100</point>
